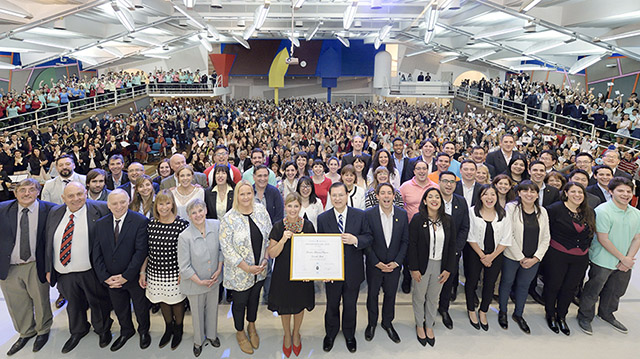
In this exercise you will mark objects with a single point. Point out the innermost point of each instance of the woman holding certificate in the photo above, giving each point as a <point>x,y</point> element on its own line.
<point>431,257</point>
<point>243,237</point>
<point>281,299</point>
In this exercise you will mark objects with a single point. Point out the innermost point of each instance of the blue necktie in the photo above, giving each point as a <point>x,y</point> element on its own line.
<point>340,223</point>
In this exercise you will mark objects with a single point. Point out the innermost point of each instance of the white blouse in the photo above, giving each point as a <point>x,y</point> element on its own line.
<point>312,211</point>
<point>436,241</point>
<point>501,230</point>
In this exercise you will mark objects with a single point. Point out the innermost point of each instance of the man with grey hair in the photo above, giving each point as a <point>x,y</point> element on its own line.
<point>120,249</point>
<point>22,274</point>
<point>176,162</point>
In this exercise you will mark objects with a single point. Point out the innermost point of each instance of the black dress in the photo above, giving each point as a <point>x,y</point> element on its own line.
<point>285,296</point>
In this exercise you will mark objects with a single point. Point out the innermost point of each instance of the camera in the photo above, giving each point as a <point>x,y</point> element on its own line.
<point>292,61</point>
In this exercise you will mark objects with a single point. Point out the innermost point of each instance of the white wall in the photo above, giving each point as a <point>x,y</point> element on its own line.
<point>192,59</point>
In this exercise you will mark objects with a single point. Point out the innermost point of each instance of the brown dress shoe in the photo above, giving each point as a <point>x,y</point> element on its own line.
<point>243,342</point>
<point>253,335</point>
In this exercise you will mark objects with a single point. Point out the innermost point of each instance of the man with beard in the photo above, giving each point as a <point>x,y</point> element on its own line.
<point>53,188</point>
<point>96,189</point>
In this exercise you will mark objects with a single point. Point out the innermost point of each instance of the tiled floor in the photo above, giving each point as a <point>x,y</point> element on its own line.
<point>461,342</point>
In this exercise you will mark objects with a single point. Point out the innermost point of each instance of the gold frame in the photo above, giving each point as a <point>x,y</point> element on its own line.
<point>336,235</point>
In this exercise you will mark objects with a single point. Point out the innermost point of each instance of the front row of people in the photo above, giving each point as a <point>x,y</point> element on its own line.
<point>105,257</point>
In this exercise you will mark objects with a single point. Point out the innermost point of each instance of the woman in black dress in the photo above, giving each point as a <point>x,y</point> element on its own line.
<point>281,299</point>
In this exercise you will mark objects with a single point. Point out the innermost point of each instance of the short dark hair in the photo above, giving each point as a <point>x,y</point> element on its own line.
<point>66,156</point>
<point>220,147</point>
<point>536,162</point>
<point>117,156</point>
<point>432,142</point>
<point>620,181</point>
<point>257,150</point>
<point>336,185</point>
<point>442,154</point>
<point>477,148</point>
<point>397,139</point>
<point>577,171</point>
<point>507,135</point>
<point>95,173</point>
<point>260,167</point>
<point>446,173</point>
<point>600,167</point>
<point>550,153</point>
<point>469,161</point>
<point>384,184</point>
<point>587,154</point>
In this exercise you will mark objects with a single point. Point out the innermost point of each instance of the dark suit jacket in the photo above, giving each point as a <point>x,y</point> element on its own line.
<point>460,192</point>
<point>9,222</point>
<point>127,188</point>
<point>550,195</point>
<point>378,251</point>
<point>412,165</point>
<point>405,175</point>
<point>496,159</point>
<point>594,189</point>
<point>275,204</point>
<point>460,218</point>
<point>210,199</point>
<point>418,252</point>
<point>348,159</point>
<point>109,180</point>
<point>353,256</point>
<point>86,160</point>
<point>95,211</point>
<point>127,254</point>
<point>621,173</point>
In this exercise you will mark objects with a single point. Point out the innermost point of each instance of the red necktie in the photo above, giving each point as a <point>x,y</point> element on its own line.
<point>65,246</point>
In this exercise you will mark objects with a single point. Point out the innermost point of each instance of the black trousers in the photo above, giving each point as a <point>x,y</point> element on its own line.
<point>83,291</point>
<point>336,292</point>
<point>473,267</point>
<point>447,287</point>
<point>377,279</point>
<point>121,298</point>
<point>246,301</point>
<point>563,275</point>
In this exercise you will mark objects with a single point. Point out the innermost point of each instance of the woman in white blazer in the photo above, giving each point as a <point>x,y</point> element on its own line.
<point>530,229</point>
<point>489,235</point>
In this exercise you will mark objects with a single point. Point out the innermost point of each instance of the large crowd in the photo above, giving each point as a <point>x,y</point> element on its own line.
<point>413,189</point>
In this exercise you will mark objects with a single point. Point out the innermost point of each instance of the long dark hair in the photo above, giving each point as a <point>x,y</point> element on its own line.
<point>525,186</point>
<point>306,179</point>
<point>584,208</point>
<point>524,175</point>
<point>424,211</point>
<point>479,205</point>
<point>391,166</point>
<point>511,194</point>
<point>225,169</point>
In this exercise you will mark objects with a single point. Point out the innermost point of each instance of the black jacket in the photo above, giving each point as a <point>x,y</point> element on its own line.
<point>418,252</point>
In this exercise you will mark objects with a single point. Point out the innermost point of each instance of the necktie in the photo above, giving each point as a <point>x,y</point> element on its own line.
<point>66,182</point>
<point>65,246</point>
<point>117,230</point>
<point>25,245</point>
<point>341,223</point>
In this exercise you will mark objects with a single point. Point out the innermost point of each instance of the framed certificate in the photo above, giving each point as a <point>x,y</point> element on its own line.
<point>317,257</point>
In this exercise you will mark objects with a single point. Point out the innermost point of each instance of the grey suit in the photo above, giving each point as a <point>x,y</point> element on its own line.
<point>170,182</point>
<point>201,256</point>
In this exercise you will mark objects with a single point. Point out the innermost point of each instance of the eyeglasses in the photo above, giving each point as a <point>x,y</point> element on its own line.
<point>447,181</point>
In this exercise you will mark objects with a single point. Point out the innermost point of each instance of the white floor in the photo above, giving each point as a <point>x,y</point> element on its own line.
<point>462,341</point>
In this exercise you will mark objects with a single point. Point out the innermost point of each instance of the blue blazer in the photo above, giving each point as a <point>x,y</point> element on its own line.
<point>353,256</point>
<point>397,250</point>
<point>274,203</point>
<point>9,222</point>
<point>127,255</point>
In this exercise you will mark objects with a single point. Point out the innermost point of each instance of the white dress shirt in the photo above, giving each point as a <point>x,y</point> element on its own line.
<point>80,260</point>
<point>344,217</point>
<point>387,225</point>
<point>33,234</point>
<point>467,192</point>
<point>436,241</point>
<point>312,211</point>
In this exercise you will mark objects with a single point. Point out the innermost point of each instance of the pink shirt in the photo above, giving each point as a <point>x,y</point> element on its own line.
<point>412,195</point>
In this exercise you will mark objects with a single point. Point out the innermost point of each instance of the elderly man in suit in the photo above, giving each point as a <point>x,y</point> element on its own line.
<point>501,157</point>
<point>120,248</point>
<point>53,188</point>
<point>351,224</point>
<point>176,162</point>
<point>390,229</point>
<point>22,274</point>
<point>136,170</point>
<point>455,206</point>
<point>70,234</point>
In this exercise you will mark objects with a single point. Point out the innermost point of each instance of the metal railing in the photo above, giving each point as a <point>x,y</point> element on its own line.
<point>551,120</point>
<point>45,116</point>
<point>168,88</point>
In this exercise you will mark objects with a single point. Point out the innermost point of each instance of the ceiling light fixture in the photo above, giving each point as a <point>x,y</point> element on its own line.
<point>148,40</point>
<point>241,41</point>
<point>480,55</point>
<point>44,43</point>
<point>260,15</point>
<point>428,36</point>
<point>10,9</point>
<point>530,5</point>
<point>585,62</point>
<point>431,17</point>
<point>127,4</point>
<point>111,51</point>
<point>248,32</point>
<point>419,52</point>
<point>124,16</point>
<point>298,4</point>
<point>189,16</point>
<point>449,59</point>
<point>622,35</point>
<point>377,42</point>
<point>530,67</point>
<point>343,40</point>
<point>349,15</point>
<point>212,32</point>
<point>384,32</point>
<point>205,43</point>
<point>376,4</point>
<point>313,32</point>
<point>216,4</point>
<point>294,40</point>
<point>189,3</point>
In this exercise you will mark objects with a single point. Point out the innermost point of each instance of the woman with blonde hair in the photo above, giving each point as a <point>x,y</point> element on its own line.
<point>186,191</point>
<point>160,274</point>
<point>483,176</point>
<point>244,234</point>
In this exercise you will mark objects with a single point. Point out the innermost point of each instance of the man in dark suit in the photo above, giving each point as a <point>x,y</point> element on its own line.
<point>428,148</point>
<point>478,156</point>
<point>116,176</point>
<point>70,234</point>
<point>390,229</point>
<point>584,161</point>
<point>353,228</point>
<point>135,171</point>
<point>48,136</point>
<point>267,194</point>
<point>401,161</point>
<point>22,275</point>
<point>603,174</point>
<point>467,187</point>
<point>96,188</point>
<point>581,177</point>
<point>358,144</point>
<point>500,158</point>
<point>176,162</point>
<point>36,136</point>
<point>91,159</point>
<point>120,248</point>
<point>455,206</point>
<point>548,194</point>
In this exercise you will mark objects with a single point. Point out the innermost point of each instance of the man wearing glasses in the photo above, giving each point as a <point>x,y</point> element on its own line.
<point>221,158</point>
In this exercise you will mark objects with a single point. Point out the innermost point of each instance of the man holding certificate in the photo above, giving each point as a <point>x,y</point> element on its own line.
<point>354,231</point>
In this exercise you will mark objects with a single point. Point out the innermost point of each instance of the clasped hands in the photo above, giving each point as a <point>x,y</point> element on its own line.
<point>116,281</point>
<point>626,264</point>
<point>387,268</point>
<point>215,277</point>
<point>257,269</point>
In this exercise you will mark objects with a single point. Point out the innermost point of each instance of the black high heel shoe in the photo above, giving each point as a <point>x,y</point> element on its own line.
<point>475,325</point>
<point>484,326</point>
<point>422,341</point>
